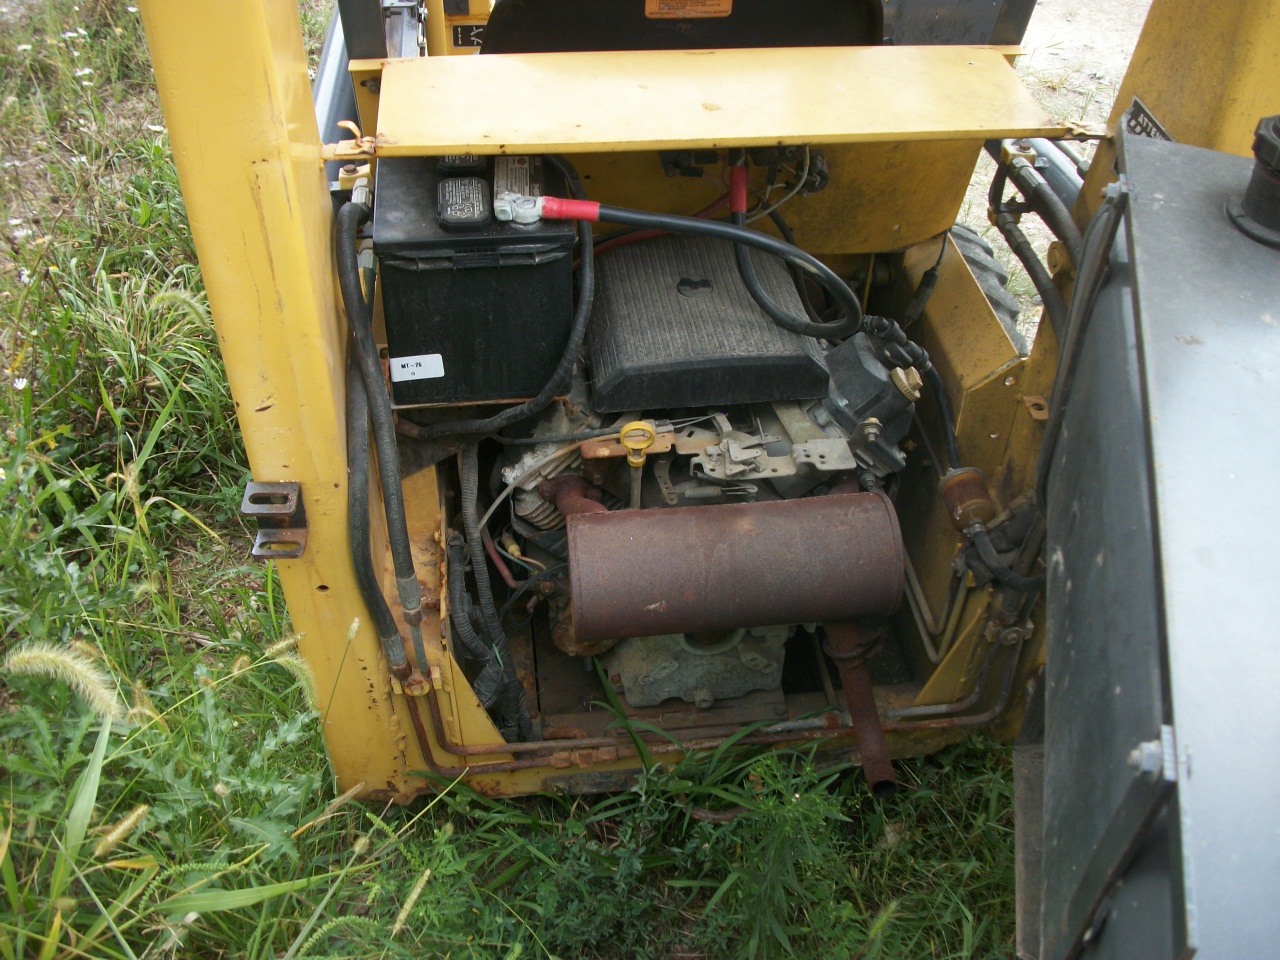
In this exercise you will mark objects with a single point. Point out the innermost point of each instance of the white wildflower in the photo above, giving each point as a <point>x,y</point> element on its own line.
<point>86,83</point>
<point>21,234</point>
<point>155,128</point>
<point>24,47</point>
<point>83,72</point>
<point>24,276</point>
<point>19,383</point>
<point>15,221</point>
<point>132,9</point>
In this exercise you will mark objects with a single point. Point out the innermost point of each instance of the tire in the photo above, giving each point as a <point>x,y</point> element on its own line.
<point>993,281</point>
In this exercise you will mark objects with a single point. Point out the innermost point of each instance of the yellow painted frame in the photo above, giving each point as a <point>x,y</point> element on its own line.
<point>238,105</point>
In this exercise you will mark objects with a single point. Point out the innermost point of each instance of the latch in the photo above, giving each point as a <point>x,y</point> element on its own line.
<point>282,520</point>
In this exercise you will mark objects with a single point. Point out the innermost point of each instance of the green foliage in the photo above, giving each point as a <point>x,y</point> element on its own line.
<point>203,824</point>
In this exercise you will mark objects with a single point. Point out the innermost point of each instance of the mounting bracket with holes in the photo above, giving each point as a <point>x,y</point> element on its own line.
<point>281,517</point>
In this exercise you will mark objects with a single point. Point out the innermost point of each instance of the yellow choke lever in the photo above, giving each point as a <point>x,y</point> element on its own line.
<point>637,437</point>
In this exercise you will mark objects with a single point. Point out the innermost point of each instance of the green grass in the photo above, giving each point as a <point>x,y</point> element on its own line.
<point>162,788</point>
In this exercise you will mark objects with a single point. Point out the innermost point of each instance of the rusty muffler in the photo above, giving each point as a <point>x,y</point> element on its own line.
<point>640,573</point>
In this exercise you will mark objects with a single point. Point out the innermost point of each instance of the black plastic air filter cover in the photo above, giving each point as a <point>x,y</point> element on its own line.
<point>673,326</point>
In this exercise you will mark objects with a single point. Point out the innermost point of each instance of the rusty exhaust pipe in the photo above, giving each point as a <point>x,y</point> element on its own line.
<point>640,573</point>
<point>849,646</point>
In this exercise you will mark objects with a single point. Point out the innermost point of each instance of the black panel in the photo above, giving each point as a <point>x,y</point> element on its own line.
<point>547,26</point>
<point>1162,536</point>
<point>673,326</point>
<point>960,21</point>
<point>1103,690</point>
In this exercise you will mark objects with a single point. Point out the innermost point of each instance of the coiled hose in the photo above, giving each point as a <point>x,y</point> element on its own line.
<point>513,712</point>
<point>349,220</point>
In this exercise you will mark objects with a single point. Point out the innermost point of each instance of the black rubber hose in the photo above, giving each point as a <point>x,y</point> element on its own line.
<point>349,219</point>
<point>840,330</point>
<point>488,684</point>
<point>1054,305</point>
<point>1040,198</point>
<point>987,552</point>
<point>1060,169</point>
<point>1045,202</point>
<point>358,521</point>
<point>1100,237</point>
<point>577,333</point>
<point>514,713</point>
<point>692,226</point>
<point>947,417</point>
<point>784,229</point>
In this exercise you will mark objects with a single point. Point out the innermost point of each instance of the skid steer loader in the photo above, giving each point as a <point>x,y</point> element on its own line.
<point>617,369</point>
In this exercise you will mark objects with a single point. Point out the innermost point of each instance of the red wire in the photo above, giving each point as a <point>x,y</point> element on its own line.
<point>497,560</point>
<point>704,213</point>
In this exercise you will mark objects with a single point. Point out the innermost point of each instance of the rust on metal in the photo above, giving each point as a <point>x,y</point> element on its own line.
<point>848,646</point>
<point>607,448</point>
<point>637,573</point>
<point>572,495</point>
<point>968,500</point>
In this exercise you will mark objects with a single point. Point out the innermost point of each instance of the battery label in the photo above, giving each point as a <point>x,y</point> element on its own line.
<point>686,9</point>
<point>463,203</point>
<point>516,175</point>
<point>425,366</point>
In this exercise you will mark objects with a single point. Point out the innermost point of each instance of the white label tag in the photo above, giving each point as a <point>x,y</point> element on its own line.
<point>426,366</point>
<point>512,175</point>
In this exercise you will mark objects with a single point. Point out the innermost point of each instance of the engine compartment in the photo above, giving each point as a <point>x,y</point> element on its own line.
<point>699,526</point>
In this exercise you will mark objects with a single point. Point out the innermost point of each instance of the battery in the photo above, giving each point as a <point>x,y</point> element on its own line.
<point>475,309</point>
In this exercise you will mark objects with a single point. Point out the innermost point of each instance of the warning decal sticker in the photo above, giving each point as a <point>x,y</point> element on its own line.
<point>686,9</point>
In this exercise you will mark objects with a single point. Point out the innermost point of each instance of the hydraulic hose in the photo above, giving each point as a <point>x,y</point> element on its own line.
<point>1054,305</point>
<point>987,552</point>
<point>358,521</point>
<point>840,330</point>
<point>1045,202</point>
<point>1039,196</point>
<point>513,711</point>
<point>577,333</point>
<point>488,684</point>
<point>1007,224</point>
<point>350,217</point>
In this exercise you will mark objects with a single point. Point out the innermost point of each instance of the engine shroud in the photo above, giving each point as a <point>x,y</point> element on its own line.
<point>673,326</point>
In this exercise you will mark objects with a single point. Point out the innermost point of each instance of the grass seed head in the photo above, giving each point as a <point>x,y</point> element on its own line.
<point>81,674</point>
<point>120,830</point>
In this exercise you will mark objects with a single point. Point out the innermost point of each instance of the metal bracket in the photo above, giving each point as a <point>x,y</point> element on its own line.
<point>282,520</point>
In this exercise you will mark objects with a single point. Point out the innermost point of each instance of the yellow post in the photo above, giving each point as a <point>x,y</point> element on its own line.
<point>1208,71</point>
<point>233,83</point>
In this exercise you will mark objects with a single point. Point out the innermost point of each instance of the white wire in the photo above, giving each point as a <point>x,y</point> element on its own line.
<point>519,478</point>
<point>800,182</point>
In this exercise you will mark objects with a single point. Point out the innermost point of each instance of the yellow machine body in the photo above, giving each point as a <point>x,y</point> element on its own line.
<point>902,128</point>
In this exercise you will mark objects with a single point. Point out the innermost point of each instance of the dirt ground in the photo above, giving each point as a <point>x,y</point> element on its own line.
<point>1077,51</point>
